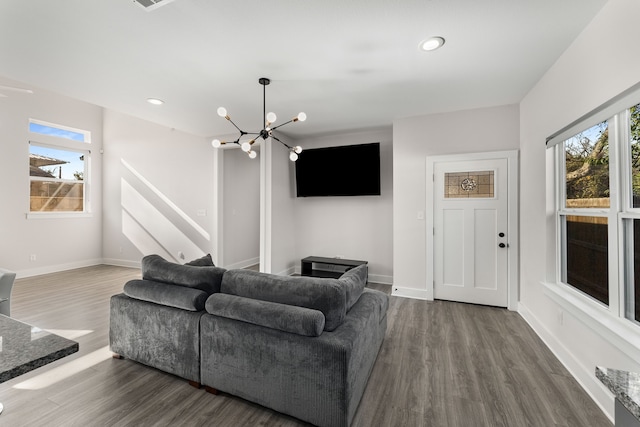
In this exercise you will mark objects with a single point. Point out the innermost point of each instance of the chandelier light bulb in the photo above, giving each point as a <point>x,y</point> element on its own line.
<point>432,43</point>
<point>265,133</point>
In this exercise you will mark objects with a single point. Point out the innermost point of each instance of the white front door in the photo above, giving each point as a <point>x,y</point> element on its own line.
<point>470,241</point>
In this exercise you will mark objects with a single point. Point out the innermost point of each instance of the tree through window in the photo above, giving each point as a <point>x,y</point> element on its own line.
<point>587,168</point>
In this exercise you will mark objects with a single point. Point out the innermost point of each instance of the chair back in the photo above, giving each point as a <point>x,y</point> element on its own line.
<point>6,286</point>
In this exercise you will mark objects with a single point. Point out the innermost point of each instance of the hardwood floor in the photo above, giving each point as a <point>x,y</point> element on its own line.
<point>441,364</point>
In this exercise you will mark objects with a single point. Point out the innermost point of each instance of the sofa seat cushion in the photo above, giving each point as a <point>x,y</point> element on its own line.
<point>325,295</point>
<point>287,318</point>
<point>158,269</point>
<point>166,294</point>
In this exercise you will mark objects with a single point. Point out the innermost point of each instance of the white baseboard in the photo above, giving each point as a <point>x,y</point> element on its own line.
<point>410,293</point>
<point>57,268</point>
<point>288,272</point>
<point>585,377</point>
<point>380,278</point>
<point>243,264</point>
<point>121,262</point>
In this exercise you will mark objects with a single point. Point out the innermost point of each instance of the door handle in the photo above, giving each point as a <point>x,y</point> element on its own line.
<point>502,245</point>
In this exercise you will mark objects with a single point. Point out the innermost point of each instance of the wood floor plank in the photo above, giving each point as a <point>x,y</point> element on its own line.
<point>441,364</point>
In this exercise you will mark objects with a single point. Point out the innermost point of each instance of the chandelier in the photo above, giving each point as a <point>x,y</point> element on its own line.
<point>267,130</point>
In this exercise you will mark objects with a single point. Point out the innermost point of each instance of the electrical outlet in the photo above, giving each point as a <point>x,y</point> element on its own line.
<point>32,257</point>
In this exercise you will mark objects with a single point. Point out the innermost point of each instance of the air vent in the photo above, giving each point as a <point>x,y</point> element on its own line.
<point>152,4</point>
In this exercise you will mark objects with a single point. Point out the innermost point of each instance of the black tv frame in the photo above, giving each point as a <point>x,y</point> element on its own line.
<point>338,171</point>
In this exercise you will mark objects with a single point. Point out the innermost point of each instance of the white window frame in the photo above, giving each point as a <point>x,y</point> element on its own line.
<point>609,213</point>
<point>85,133</point>
<point>61,143</point>
<point>610,321</point>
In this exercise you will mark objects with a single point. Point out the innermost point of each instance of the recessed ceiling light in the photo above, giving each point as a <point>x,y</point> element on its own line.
<point>155,101</point>
<point>432,43</point>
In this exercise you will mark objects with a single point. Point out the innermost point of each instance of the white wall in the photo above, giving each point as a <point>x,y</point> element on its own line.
<point>415,138</point>
<point>158,191</point>
<point>279,210</point>
<point>241,209</point>
<point>351,227</point>
<point>58,243</point>
<point>602,62</point>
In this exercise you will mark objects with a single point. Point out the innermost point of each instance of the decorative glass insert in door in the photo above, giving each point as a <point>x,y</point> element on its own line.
<point>466,185</point>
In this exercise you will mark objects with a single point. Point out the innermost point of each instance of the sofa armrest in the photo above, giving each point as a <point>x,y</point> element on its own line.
<point>287,318</point>
<point>166,294</point>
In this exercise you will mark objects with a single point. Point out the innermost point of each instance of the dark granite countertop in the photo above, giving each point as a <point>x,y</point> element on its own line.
<point>624,385</point>
<point>24,348</point>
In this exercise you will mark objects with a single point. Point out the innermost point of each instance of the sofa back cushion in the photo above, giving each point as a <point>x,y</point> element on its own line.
<point>326,295</point>
<point>158,269</point>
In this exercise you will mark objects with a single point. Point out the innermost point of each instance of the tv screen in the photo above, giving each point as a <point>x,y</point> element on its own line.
<point>350,170</point>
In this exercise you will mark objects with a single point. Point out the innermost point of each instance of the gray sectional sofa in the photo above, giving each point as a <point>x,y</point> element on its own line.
<point>299,345</point>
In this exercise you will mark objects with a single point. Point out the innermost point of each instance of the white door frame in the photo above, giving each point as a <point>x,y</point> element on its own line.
<point>512,217</point>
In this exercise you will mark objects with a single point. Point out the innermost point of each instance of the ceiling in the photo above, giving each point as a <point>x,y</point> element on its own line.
<point>348,64</point>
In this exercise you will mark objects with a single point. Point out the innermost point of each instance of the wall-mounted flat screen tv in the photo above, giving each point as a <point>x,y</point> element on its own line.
<point>349,170</point>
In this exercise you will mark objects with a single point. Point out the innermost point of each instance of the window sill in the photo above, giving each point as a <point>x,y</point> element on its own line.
<point>619,332</point>
<point>49,215</point>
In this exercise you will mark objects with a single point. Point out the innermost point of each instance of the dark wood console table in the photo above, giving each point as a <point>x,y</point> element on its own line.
<point>308,270</point>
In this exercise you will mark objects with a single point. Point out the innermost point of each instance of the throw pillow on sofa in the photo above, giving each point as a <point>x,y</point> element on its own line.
<point>354,282</point>
<point>158,269</point>
<point>205,261</point>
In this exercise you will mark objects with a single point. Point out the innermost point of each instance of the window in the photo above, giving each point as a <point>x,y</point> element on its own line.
<point>59,131</point>
<point>58,169</point>
<point>586,196</point>
<point>587,168</point>
<point>599,213</point>
<point>631,216</point>
<point>465,185</point>
<point>632,295</point>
